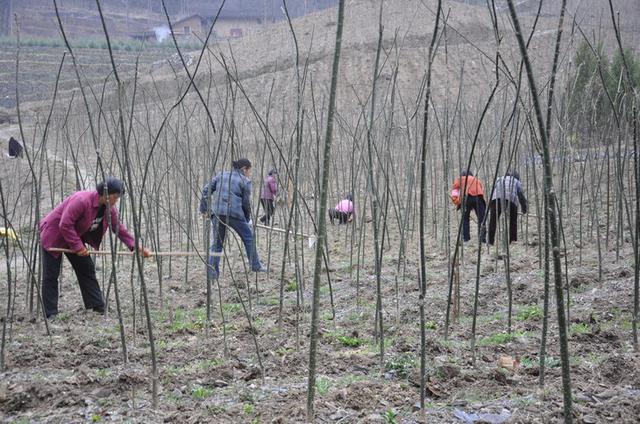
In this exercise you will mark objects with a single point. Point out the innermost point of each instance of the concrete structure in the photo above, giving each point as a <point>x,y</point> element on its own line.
<point>232,26</point>
<point>227,26</point>
<point>193,25</point>
<point>147,36</point>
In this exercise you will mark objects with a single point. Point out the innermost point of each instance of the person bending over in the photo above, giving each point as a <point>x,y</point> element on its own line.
<point>78,220</point>
<point>226,200</point>
<point>507,195</point>
<point>343,212</point>
<point>473,201</point>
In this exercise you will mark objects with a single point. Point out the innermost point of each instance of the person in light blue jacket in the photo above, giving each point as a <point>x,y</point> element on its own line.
<point>226,200</point>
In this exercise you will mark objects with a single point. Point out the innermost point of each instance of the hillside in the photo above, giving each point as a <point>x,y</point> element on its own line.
<point>467,42</point>
<point>124,18</point>
<point>178,346</point>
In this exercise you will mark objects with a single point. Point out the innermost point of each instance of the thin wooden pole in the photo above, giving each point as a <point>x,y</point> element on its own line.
<point>127,253</point>
<point>312,238</point>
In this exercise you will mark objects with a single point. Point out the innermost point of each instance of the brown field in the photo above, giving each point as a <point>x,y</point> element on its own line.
<point>245,364</point>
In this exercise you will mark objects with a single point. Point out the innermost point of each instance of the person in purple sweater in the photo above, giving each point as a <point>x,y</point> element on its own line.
<point>268,196</point>
<point>78,220</point>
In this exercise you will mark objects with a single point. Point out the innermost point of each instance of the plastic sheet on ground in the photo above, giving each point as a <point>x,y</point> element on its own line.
<point>482,417</point>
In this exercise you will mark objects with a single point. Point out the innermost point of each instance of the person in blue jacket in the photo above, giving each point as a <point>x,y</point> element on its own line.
<point>227,201</point>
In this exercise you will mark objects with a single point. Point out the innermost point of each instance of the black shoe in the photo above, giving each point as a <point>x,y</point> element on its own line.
<point>98,309</point>
<point>52,317</point>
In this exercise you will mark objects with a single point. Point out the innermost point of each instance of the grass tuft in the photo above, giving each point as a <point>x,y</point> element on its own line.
<point>292,286</point>
<point>401,364</point>
<point>201,392</point>
<point>579,328</point>
<point>531,312</point>
<point>322,385</point>
<point>350,341</point>
<point>500,338</point>
<point>390,416</point>
<point>549,362</point>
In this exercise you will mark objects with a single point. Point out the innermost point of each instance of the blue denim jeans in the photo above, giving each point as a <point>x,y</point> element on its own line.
<point>218,233</point>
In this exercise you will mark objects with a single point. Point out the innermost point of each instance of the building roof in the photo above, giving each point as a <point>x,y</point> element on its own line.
<point>235,15</point>
<point>187,18</point>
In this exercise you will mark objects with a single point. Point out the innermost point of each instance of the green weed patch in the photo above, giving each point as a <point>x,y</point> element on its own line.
<point>350,341</point>
<point>500,338</point>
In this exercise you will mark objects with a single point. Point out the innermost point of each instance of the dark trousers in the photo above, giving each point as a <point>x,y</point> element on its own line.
<point>85,271</point>
<point>269,209</point>
<point>495,209</point>
<point>342,217</point>
<point>218,233</point>
<point>477,204</point>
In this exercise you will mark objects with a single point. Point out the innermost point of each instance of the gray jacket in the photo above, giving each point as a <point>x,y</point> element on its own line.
<point>510,188</point>
<point>228,194</point>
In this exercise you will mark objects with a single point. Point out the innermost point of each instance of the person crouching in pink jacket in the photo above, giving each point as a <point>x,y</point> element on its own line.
<point>343,212</point>
<point>78,220</point>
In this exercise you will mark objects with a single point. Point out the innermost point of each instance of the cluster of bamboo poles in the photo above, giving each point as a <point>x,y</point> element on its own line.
<point>166,140</point>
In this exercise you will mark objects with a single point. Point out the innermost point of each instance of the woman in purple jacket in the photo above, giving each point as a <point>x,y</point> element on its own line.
<point>79,220</point>
<point>268,196</point>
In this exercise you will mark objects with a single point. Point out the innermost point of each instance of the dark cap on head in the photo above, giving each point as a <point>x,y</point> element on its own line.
<point>349,197</point>
<point>514,174</point>
<point>465,173</point>
<point>273,171</point>
<point>112,184</point>
<point>241,163</point>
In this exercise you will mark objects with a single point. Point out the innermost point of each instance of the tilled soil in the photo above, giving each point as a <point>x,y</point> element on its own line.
<point>78,374</point>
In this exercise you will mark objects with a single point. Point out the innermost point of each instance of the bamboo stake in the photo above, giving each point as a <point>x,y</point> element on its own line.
<point>311,237</point>
<point>551,205</point>
<point>322,220</point>
<point>127,253</point>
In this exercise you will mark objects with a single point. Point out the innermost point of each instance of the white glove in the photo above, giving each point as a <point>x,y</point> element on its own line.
<point>250,223</point>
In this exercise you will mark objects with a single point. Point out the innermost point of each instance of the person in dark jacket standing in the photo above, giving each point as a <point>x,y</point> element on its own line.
<point>268,196</point>
<point>79,219</point>
<point>471,191</point>
<point>507,195</point>
<point>227,201</point>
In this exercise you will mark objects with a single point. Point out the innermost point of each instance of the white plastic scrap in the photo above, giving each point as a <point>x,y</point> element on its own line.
<point>472,417</point>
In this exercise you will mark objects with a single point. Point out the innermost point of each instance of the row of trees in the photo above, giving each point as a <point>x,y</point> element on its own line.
<point>601,90</point>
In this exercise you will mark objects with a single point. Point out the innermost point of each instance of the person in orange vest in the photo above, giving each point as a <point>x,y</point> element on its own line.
<point>474,200</point>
